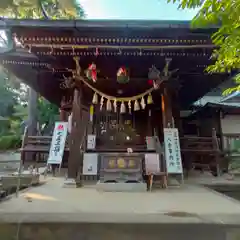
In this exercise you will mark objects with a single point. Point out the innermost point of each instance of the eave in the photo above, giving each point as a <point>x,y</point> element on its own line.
<point>142,43</point>
<point>141,24</point>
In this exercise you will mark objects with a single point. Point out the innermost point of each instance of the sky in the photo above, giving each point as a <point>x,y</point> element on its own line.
<point>135,9</point>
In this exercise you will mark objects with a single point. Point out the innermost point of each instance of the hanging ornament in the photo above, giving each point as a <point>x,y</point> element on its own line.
<point>101,103</point>
<point>95,99</point>
<point>122,108</point>
<point>155,84</point>
<point>150,82</point>
<point>122,75</point>
<point>149,99</point>
<point>91,72</point>
<point>115,105</point>
<point>96,52</point>
<point>109,105</point>
<point>130,106</point>
<point>91,112</point>
<point>136,106</point>
<point>153,73</point>
<point>143,104</point>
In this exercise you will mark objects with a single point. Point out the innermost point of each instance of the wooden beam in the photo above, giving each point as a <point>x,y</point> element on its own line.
<point>108,46</point>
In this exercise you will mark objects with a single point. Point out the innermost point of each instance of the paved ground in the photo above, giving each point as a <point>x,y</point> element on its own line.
<point>188,204</point>
<point>52,212</point>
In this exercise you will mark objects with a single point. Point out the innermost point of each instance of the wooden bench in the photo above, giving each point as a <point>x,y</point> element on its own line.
<point>39,144</point>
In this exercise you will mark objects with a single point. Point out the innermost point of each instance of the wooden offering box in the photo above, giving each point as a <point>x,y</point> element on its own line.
<point>121,167</point>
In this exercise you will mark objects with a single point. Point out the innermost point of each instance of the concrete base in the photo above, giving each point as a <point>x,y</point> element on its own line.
<point>173,182</point>
<point>121,187</point>
<point>103,231</point>
<point>69,183</point>
<point>50,203</point>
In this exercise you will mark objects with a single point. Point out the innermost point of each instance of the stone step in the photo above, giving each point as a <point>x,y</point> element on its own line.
<point>121,187</point>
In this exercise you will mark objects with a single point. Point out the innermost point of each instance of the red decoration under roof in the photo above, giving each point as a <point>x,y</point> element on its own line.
<point>91,72</point>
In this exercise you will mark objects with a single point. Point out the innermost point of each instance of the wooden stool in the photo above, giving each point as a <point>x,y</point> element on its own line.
<point>164,180</point>
<point>150,182</point>
<point>163,176</point>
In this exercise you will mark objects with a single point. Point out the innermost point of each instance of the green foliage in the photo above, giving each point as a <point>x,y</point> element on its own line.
<point>11,111</point>
<point>4,126</point>
<point>53,9</point>
<point>224,13</point>
<point>229,91</point>
<point>47,112</point>
<point>10,142</point>
<point>7,96</point>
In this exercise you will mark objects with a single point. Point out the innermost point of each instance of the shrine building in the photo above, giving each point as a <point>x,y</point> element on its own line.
<point>125,85</point>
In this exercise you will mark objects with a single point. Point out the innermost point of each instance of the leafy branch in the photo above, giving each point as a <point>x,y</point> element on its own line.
<point>223,13</point>
<point>41,9</point>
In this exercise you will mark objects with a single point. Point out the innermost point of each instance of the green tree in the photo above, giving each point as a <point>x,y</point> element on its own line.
<point>39,9</point>
<point>225,14</point>
<point>48,113</point>
<point>35,9</point>
<point>11,110</point>
<point>8,98</point>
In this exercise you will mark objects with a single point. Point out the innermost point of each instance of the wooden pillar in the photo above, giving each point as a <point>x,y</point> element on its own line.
<point>167,108</point>
<point>167,121</point>
<point>75,136</point>
<point>63,115</point>
<point>220,114</point>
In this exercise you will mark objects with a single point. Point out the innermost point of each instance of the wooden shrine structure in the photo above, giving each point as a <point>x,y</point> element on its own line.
<point>131,78</point>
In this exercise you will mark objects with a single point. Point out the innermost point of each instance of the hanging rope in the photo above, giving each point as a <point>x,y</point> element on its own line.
<point>113,98</point>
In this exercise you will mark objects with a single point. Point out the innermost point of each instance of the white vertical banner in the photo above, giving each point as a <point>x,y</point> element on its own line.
<point>172,151</point>
<point>58,143</point>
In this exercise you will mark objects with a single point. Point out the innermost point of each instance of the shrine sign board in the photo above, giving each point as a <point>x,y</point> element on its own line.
<point>58,143</point>
<point>90,164</point>
<point>91,141</point>
<point>172,151</point>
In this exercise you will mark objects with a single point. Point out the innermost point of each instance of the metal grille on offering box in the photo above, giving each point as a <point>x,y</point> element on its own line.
<point>121,167</point>
<point>122,163</point>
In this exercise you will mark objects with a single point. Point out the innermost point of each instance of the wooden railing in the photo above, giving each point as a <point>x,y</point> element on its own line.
<point>201,152</point>
<point>37,145</point>
<point>198,145</point>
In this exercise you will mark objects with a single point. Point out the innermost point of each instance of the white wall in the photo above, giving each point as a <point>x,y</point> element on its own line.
<point>230,124</point>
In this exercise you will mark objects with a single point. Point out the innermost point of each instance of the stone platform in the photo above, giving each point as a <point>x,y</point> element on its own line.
<point>121,187</point>
<point>186,204</point>
<point>50,211</point>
